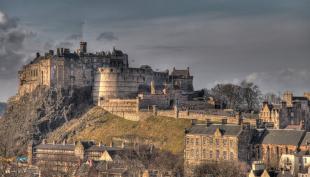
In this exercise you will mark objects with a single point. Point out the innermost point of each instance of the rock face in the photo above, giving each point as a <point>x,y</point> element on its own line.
<point>34,115</point>
<point>2,108</point>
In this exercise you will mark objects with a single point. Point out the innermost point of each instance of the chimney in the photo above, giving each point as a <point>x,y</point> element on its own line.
<point>83,47</point>
<point>224,121</point>
<point>38,54</point>
<point>302,125</point>
<point>61,51</point>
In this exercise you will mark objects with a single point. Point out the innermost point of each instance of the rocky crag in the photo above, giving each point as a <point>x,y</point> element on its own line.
<point>34,115</point>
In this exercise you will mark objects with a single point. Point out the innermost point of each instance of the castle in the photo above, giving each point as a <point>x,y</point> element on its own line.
<point>107,73</point>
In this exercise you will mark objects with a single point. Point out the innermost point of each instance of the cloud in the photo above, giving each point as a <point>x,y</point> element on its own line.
<point>12,42</point>
<point>297,80</point>
<point>64,44</point>
<point>74,37</point>
<point>107,36</point>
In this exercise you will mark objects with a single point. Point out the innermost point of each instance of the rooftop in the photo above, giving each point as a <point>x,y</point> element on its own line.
<point>283,137</point>
<point>226,129</point>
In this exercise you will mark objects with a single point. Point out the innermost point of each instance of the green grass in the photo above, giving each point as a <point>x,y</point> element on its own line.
<point>96,124</point>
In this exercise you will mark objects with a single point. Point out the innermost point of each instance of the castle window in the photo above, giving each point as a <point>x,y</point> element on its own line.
<point>204,153</point>
<point>192,141</point>
<point>197,153</point>
<point>210,155</point>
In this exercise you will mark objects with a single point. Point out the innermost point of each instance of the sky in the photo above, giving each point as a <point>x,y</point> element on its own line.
<point>222,41</point>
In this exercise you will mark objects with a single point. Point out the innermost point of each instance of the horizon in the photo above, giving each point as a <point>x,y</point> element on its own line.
<point>266,43</point>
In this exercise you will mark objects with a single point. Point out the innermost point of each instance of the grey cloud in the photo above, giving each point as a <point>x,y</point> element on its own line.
<point>64,44</point>
<point>285,79</point>
<point>74,37</point>
<point>11,46</point>
<point>107,36</point>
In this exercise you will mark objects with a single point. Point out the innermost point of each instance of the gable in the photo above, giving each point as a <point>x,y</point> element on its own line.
<point>106,157</point>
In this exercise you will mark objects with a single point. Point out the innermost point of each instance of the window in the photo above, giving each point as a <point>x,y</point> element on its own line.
<point>204,140</point>
<point>187,140</point>
<point>192,141</point>
<point>224,155</point>
<point>217,141</point>
<point>224,142</point>
<point>305,159</point>
<point>197,141</point>
<point>210,140</point>
<point>197,153</point>
<point>211,153</point>
<point>192,153</point>
<point>231,156</point>
<point>231,142</point>
<point>217,154</point>
<point>204,153</point>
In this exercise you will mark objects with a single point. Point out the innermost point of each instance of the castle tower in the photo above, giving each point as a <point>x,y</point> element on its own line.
<point>288,98</point>
<point>83,47</point>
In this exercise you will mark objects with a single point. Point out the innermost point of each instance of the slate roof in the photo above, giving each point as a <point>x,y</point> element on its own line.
<point>56,146</point>
<point>300,98</point>
<point>306,139</point>
<point>88,146</point>
<point>283,137</point>
<point>226,129</point>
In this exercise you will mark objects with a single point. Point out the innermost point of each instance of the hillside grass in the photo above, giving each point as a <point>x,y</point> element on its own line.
<point>99,125</point>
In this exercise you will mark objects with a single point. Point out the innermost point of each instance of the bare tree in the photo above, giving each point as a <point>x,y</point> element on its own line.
<point>251,95</point>
<point>221,169</point>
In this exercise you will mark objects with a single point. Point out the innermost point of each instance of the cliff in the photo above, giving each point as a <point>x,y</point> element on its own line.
<point>165,133</point>
<point>34,115</point>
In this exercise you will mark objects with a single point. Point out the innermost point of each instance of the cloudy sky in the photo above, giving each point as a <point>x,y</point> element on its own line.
<point>264,41</point>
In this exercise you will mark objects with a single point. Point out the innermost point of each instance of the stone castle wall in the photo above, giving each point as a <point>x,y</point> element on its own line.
<point>124,83</point>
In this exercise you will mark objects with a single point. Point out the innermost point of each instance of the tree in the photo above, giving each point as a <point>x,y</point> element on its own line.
<point>228,94</point>
<point>251,95</point>
<point>221,169</point>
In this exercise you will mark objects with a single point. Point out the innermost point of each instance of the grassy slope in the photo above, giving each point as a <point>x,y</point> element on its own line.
<point>99,125</point>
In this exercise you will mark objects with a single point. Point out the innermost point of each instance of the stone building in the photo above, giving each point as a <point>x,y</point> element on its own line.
<point>274,115</point>
<point>181,79</point>
<point>66,157</point>
<point>206,143</point>
<point>292,112</point>
<point>276,142</point>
